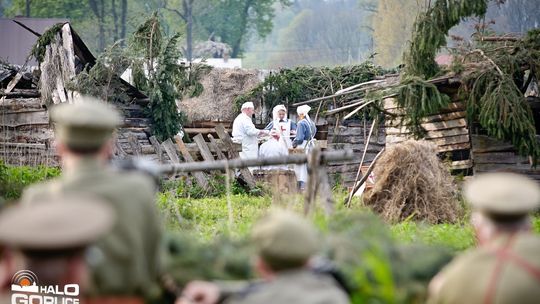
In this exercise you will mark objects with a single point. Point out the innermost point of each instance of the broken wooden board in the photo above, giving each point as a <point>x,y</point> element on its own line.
<point>201,178</point>
<point>226,138</point>
<point>203,148</point>
<point>157,147</point>
<point>213,144</point>
<point>170,149</point>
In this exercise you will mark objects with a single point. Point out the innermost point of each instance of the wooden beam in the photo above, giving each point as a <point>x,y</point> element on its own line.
<point>239,163</point>
<point>201,130</point>
<point>39,117</point>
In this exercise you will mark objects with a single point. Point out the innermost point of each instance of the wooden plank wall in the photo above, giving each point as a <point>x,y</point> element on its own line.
<point>352,135</point>
<point>491,155</point>
<point>447,129</point>
<point>26,136</point>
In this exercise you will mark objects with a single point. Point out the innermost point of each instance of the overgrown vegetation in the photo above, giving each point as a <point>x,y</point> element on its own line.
<point>39,49</point>
<point>493,75</point>
<point>495,89</point>
<point>430,31</point>
<point>14,179</point>
<point>157,70</point>
<point>288,86</point>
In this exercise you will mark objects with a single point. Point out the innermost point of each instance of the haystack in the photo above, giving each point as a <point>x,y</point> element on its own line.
<point>412,182</point>
<point>221,87</point>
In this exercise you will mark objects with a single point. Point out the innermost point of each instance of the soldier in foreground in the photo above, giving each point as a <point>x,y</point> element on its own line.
<point>129,259</point>
<point>53,239</point>
<point>285,243</point>
<point>505,268</point>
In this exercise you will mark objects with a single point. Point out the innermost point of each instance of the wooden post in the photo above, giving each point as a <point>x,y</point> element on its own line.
<point>203,147</point>
<point>325,191</point>
<point>213,144</point>
<point>227,141</point>
<point>314,160</point>
<point>199,176</point>
<point>157,147</point>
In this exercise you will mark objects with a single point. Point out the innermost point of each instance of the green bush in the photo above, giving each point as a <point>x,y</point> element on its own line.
<point>14,179</point>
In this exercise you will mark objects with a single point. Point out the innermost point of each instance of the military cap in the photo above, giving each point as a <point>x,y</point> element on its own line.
<point>284,237</point>
<point>88,123</point>
<point>503,194</point>
<point>63,224</point>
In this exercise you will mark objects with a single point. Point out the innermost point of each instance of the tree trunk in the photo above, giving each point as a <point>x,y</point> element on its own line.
<point>98,9</point>
<point>123,15</point>
<point>115,20</point>
<point>237,45</point>
<point>188,13</point>
<point>28,8</point>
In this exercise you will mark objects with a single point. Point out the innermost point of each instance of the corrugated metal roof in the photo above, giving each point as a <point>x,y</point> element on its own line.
<point>16,42</point>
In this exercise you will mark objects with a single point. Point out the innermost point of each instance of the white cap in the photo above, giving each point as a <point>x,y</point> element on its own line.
<point>248,105</point>
<point>303,109</point>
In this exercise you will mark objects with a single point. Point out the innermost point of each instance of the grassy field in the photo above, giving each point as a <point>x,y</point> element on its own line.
<point>207,232</point>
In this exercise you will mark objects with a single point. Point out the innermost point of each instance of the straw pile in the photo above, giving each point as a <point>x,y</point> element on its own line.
<point>411,182</point>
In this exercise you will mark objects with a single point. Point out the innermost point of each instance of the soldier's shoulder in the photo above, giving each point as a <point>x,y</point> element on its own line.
<point>133,179</point>
<point>39,190</point>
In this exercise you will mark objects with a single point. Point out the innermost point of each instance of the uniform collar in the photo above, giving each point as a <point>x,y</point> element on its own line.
<point>84,166</point>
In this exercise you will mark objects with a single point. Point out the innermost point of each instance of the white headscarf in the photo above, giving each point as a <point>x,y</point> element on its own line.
<point>304,110</point>
<point>275,112</point>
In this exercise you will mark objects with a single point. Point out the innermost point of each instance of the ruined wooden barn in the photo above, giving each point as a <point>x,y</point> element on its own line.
<point>27,94</point>
<point>462,144</point>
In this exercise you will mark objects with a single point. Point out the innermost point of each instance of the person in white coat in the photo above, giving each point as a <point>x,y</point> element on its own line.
<point>244,132</point>
<point>305,139</point>
<point>274,148</point>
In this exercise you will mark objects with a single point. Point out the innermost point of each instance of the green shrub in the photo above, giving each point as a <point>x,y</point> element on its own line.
<point>14,179</point>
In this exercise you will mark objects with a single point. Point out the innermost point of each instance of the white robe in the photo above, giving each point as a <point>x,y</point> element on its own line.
<point>273,148</point>
<point>244,132</point>
<point>284,129</point>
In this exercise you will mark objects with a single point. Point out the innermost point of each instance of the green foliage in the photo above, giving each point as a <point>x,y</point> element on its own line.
<point>288,86</point>
<point>499,106</point>
<point>419,99</point>
<point>39,48</point>
<point>156,70</point>
<point>454,236</point>
<point>495,88</point>
<point>14,179</point>
<point>102,80</point>
<point>430,31</point>
<point>167,80</point>
<point>189,258</point>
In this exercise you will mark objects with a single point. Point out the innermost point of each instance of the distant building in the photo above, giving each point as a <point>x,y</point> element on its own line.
<point>16,42</point>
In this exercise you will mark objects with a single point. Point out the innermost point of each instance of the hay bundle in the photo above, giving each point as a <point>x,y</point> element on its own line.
<point>412,182</point>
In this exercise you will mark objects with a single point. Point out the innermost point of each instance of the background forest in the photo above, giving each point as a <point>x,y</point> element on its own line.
<point>271,33</point>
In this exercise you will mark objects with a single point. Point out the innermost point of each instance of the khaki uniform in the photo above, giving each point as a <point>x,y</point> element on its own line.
<point>299,287</point>
<point>130,250</point>
<point>505,271</point>
<point>128,263</point>
<point>505,268</point>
